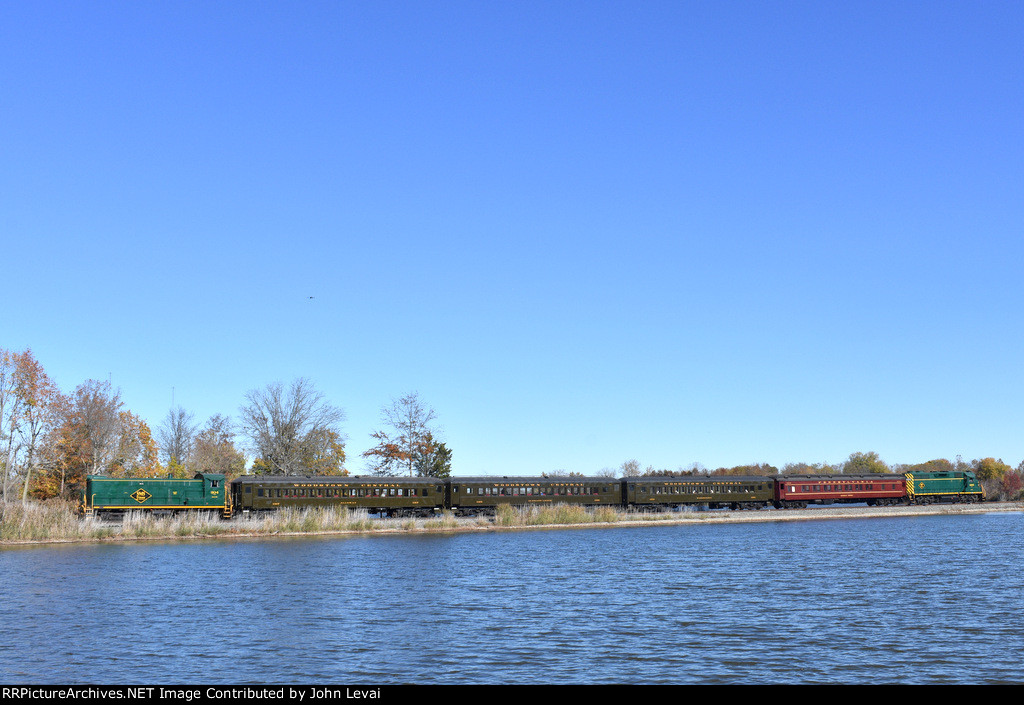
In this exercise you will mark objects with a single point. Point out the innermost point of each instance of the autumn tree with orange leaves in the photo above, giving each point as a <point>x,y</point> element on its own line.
<point>29,407</point>
<point>136,451</point>
<point>94,435</point>
<point>213,449</point>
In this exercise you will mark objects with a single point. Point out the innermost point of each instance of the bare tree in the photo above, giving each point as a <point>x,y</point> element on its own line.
<point>281,423</point>
<point>408,437</point>
<point>177,435</point>
<point>96,411</point>
<point>630,468</point>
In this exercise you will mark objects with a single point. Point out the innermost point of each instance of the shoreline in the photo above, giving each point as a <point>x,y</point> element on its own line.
<point>451,525</point>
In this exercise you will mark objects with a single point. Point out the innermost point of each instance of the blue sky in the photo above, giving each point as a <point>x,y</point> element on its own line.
<point>584,232</point>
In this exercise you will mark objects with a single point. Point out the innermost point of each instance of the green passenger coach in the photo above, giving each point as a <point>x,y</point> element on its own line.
<point>387,496</point>
<point>716,491</point>
<point>469,496</point>
<point>113,496</point>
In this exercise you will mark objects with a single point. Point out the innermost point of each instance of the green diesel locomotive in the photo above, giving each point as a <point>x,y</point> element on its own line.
<point>113,496</point>
<point>943,486</point>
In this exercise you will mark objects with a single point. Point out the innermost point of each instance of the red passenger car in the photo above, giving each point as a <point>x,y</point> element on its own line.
<point>796,491</point>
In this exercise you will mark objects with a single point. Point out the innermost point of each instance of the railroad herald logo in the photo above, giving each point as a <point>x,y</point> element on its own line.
<point>140,495</point>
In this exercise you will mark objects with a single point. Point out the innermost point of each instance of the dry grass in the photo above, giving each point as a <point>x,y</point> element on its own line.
<point>58,521</point>
<point>447,520</point>
<point>559,514</point>
<point>36,521</point>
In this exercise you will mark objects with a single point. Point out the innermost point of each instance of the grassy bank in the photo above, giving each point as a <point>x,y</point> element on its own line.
<point>555,514</point>
<point>56,521</point>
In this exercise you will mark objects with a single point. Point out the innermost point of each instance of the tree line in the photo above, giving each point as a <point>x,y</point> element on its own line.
<point>51,440</point>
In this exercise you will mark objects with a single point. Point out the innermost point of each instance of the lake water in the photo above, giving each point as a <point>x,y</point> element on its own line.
<point>928,599</point>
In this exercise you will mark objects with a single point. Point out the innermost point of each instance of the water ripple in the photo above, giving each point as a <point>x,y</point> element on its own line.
<point>903,600</point>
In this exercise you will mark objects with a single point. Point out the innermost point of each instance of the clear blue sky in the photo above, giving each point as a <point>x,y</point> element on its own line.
<point>584,232</point>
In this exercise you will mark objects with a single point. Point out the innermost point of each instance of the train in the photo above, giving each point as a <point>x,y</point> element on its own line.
<point>475,496</point>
